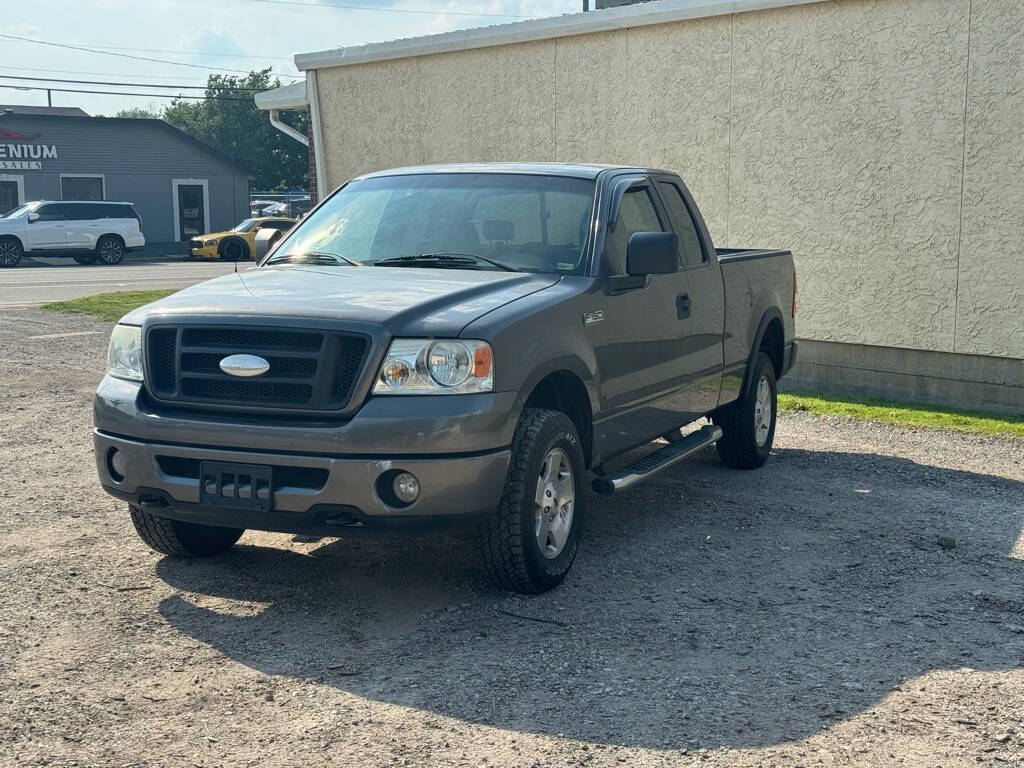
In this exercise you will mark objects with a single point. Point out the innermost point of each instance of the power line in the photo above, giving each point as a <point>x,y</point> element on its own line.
<point>120,93</point>
<point>129,85</point>
<point>121,55</point>
<point>86,72</point>
<point>427,11</point>
<point>175,50</point>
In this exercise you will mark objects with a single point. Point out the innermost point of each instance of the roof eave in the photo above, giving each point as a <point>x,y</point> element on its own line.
<point>291,96</point>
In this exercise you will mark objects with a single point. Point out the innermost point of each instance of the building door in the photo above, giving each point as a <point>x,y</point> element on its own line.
<point>8,196</point>
<point>190,211</point>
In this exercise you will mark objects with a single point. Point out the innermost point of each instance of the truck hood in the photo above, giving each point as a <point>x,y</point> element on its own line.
<point>406,301</point>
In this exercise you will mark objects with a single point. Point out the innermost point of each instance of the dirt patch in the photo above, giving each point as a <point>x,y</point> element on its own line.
<point>858,601</point>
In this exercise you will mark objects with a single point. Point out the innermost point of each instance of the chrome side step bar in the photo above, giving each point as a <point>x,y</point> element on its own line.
<point>648,466</point>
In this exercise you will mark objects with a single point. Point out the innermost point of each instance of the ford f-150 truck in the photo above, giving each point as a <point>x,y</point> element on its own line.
<point>448,345</point>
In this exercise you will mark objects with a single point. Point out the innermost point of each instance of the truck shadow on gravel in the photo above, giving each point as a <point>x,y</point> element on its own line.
<point>709,609</point>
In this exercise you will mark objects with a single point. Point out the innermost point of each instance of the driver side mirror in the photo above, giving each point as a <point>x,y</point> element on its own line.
<point>33,217</point>
<point>652,253</point>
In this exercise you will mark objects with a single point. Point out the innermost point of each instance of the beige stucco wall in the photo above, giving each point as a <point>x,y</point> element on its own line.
<point>879,139</point>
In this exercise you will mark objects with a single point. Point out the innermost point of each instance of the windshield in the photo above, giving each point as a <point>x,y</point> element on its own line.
<point>454,220</point>
<point>245,226</point>
<point>21,210</point>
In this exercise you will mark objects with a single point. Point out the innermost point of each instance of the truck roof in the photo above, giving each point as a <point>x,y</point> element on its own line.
<point>578,170</point>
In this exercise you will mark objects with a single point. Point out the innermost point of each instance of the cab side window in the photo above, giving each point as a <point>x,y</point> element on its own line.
<point>636,214</point>
<point>50,212</point>
<point>690,252</point>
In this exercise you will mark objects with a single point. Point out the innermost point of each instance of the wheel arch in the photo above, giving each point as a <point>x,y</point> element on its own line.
<point>770,338</point>
<point>16,238</point>
<point>110,234</point>
<point>563,389</point>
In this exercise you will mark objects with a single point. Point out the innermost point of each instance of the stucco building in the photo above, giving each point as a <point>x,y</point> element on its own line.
<point>880,140</point>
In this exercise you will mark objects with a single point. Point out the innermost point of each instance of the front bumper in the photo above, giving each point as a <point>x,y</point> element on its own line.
<point>456,446</point>
<point>315,494</point>
<point>205,252</point>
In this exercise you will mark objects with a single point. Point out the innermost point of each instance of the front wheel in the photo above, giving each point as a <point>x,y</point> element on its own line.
<point>180,539</point>
<point>529,544</point>
<point>110,250</point>
<point>233,249</point>
<point>10,252</point>
<point>748,425</point>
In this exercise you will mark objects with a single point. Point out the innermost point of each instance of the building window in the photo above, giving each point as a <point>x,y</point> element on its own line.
<point>81,187</point>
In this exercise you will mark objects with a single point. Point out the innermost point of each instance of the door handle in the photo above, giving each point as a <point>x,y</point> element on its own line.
<point>683,305</point>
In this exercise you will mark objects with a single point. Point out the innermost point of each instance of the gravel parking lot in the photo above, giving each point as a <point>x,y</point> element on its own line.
<point>858,601</point>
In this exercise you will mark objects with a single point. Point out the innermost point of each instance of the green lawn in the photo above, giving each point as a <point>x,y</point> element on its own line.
<point>108,306</point>
<point>930,417</point>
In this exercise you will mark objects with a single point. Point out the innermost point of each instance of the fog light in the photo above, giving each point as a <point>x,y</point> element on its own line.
<point>116,464</point>
<point>406,487</point>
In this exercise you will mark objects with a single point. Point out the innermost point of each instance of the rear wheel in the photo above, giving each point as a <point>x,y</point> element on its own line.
<point>748,425</point>
<point>10,252</point>
<point>181,539</point>
<point>110,250</point>
<point>529,544</point>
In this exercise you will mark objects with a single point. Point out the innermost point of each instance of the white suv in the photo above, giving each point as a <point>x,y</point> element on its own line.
<point>89,230</point>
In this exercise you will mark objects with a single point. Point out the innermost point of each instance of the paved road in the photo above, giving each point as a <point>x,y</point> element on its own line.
<point>36,281</point>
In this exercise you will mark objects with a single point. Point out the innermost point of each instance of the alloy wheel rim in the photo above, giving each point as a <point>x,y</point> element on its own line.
<point>762,412</point>
<point>8,254</point>
<point>554,503</point>
<point>109,251</point>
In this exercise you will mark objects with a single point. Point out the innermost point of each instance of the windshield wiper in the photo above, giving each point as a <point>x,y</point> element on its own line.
<point>441,259</point>
<point>319,258</point>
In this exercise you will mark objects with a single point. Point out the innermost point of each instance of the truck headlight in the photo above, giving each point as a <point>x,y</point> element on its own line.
<point>209,243</point>
<point>124,355</point>
<point>436,367</point>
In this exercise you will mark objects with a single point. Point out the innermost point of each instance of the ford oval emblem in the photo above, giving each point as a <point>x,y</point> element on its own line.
<point>244,365</point>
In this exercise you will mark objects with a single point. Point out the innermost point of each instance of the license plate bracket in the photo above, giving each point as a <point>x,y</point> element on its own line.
<point>240,486</point>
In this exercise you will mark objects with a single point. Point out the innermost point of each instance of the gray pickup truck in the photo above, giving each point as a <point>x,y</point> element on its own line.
<point>448,346</point>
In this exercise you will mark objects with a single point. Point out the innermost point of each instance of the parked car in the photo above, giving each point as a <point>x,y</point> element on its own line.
<point>89,231</point>
<point>235,244</point>
<point>295,209</point>
<point>445,346</point>
<point>256,207</point>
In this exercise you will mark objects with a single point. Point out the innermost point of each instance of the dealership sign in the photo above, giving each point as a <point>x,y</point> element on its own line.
<point>26,155</point>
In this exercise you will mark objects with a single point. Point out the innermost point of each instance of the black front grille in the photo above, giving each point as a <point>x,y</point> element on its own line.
<point>251,338</point>
<point>309,370</point>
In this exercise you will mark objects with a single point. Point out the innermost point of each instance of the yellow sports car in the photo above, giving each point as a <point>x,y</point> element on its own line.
<point>235,244</point>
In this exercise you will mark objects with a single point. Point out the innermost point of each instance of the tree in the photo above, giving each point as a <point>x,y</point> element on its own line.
<point>137,112</point>
<point>228,120</point>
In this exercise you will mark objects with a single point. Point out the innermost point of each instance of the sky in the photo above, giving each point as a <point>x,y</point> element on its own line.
<point>204,36</point>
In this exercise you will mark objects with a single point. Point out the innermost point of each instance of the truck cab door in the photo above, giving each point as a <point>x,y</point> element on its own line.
<point>703,360</point>
<point>45,230</point>
<point>647,329</point>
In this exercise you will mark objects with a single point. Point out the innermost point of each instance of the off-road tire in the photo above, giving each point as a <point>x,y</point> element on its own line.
<point>110,250</point>
<point>508,542</point>
<point>233,249</point>
<point>85,258</point>
<point>738,446</point>
<point>181,539</point>
<point>10,252</point>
